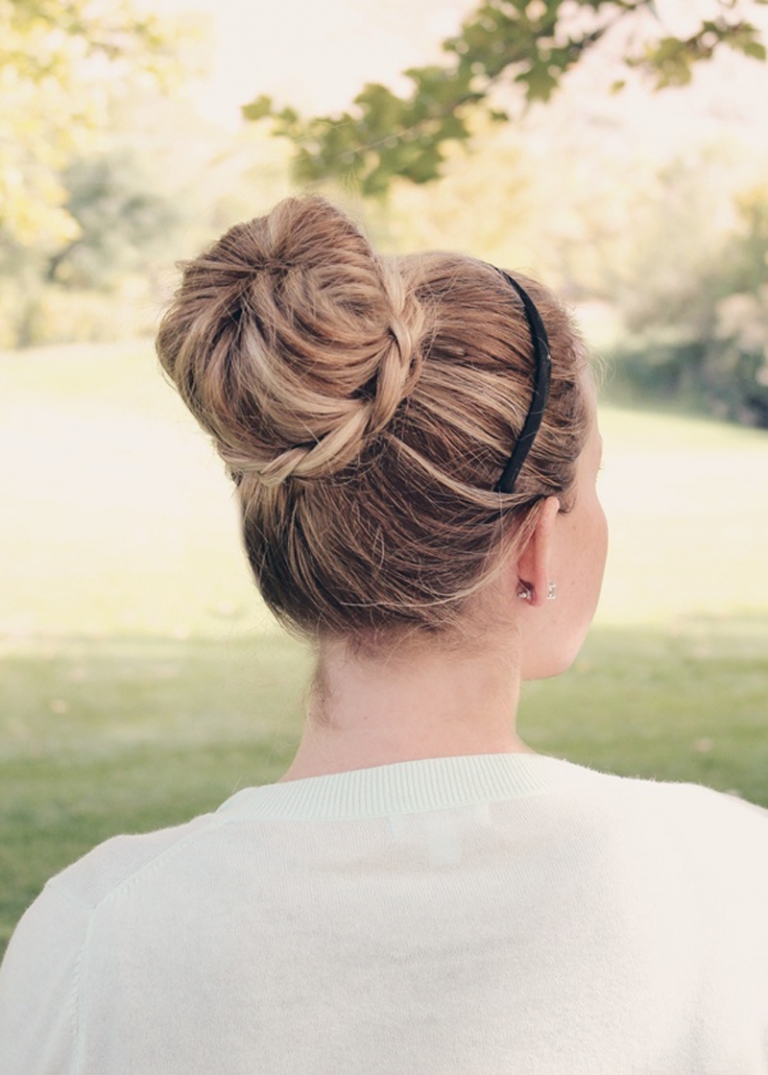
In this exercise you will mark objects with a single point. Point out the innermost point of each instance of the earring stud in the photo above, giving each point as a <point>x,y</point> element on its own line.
<point>551,591</point>
<point>525,593</point>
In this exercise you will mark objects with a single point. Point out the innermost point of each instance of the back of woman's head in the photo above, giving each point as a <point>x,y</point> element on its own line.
<point>365,408</point>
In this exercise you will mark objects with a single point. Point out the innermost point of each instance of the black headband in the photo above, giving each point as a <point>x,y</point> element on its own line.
<point>542,365</point>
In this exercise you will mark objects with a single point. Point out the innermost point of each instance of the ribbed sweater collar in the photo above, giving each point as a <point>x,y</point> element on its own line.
<point>406,787</point>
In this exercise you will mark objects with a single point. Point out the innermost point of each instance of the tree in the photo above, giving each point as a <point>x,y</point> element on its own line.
<point>528,44</point>
<point>689,284</point>
<point>60,61</point>
<point>124,221</point>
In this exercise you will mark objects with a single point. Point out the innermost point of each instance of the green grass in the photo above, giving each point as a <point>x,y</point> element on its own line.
<point>142,682</point>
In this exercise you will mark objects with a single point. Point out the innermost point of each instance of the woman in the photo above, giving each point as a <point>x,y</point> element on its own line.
<point>414,445</point>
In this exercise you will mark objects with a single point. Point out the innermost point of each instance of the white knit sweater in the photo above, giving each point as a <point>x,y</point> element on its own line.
<point>503,914</point>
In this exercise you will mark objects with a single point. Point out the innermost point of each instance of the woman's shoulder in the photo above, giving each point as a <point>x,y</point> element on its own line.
<point>677,828</point>
<point>121,859</point>
<point>688,796</point>
<point>682,802</point>
<point>39,973</point>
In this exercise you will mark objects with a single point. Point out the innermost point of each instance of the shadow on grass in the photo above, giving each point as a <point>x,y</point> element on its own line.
<point>100,736</point>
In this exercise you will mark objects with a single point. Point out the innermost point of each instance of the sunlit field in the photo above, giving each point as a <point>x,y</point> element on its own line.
<point>143,682</point>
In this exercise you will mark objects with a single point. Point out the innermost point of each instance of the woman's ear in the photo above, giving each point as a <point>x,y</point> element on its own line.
<point>533,562</point>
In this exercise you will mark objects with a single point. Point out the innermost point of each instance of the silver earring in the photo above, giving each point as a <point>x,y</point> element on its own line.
<point>525,592</point>
<point>551,591</point>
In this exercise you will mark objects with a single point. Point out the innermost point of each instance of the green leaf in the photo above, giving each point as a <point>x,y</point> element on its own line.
<point>258,109</point>
<point>754,48</point>
<point>521,42</point>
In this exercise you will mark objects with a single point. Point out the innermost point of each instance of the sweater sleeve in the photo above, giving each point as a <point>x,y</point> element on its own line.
<point>39,987</point>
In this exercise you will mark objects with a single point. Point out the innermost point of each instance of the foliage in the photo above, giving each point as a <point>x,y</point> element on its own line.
<point>697,309</point>
<point>122,221</point>
<point>61,61</point>
<point>161,186</point>
<point>527,44</point>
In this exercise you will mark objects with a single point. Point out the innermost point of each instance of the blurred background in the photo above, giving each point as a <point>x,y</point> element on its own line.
<point>617,150</point>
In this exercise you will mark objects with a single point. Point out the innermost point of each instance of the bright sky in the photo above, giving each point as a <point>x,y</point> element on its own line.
<point>316,55</point>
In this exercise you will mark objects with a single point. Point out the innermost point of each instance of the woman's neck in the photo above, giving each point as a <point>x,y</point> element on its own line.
<point>429,703</point>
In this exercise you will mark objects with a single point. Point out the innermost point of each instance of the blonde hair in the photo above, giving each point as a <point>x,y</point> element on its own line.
<point>365,408</point>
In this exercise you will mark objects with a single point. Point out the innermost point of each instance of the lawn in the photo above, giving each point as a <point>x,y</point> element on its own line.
<point>143,682</point>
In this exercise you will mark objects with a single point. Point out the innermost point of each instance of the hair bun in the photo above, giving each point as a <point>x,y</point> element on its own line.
<point>292,342</point>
